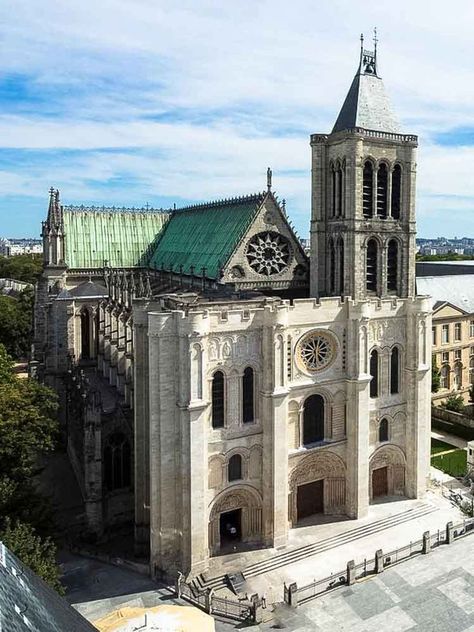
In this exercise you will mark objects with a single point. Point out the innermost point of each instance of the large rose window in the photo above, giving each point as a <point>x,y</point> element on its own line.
<point>316,351</point>
<point>268,253</point>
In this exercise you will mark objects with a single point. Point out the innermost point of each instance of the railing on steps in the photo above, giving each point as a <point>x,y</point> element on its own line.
<point>294,595</point>
<point>246,610</point>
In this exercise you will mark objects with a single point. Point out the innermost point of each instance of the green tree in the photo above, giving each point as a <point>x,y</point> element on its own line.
<point>471,394</point>
<point>435,377</point>
<point>16,323</point>
<point>25,268</point>
<point>37,553</point>
<point>454,403</point>
<point>28,430</point>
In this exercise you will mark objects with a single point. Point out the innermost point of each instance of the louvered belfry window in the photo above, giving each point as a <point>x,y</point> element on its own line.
<point>368,190</point>
<point>392,266</point>
<point>371,272</point>
<point>382,190</point>
<point>396,191</point>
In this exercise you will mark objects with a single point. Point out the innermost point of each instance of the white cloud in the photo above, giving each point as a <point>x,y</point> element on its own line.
<point>238,87</point>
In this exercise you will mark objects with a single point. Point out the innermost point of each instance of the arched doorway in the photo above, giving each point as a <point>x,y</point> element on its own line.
<point>317,486</point>
<point>235,517</point>
<point>387,472</point>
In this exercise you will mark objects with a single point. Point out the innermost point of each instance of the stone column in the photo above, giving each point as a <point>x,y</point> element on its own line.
<point>357,467</point>
<point>417,383</point>
<point>141,433</point>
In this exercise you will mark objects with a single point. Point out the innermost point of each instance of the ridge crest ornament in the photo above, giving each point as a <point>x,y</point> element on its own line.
<point>316,351</point>
<point>268,253</point>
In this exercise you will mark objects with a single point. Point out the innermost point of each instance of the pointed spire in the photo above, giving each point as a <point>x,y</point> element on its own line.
<point>54,209</point>
<point>367,105</point>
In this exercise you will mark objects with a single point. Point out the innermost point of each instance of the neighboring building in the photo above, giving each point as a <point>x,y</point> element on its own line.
<point>28,603</point>
<point>223,382</point>
<point>12,247</point>
<point>444,268</point>
<point>452,331</point>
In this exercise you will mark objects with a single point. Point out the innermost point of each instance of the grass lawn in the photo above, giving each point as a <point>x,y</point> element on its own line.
<point>440,446</point>
<point>454,463</point>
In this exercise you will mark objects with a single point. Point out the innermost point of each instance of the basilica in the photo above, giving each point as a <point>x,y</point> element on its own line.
<point>218,384</point>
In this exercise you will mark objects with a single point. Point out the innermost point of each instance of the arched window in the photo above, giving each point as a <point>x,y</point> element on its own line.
<point>339,191</point>
<point>374,372</point>
<point>396,191</point>
<point>313,419</point>
<point>372,255</point>
<point>367,190</point>
<point>457,382</point>
<point>383,430</point>
<point>218,400</point>
<point>333,189</point>
<point>332,266</point>
<point>445,376</point>
<point>471,369</point>
<point>382,190</point>
<point>234,469</point>
<point>392,266</point>
<point>395,371</point>
<point>341,267</point>
<point>248,408</point>
<point>85,334</point>
<point>117,462</point>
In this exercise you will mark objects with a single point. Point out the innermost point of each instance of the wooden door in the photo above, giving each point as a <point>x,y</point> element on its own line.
<point>310,499</point>
<point>380,482</point>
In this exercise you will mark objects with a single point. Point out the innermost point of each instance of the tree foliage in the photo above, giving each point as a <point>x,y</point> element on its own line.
<point>16,323</point>
<point>37,553</point>
<point>447,256</point>
<point>454,403</point>
<point>21,267</point>
<point>435,377</point>
<point>28,429</point>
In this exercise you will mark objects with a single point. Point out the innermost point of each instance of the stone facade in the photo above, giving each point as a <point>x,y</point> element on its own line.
<point>453,350</point>
<point>249,401</point>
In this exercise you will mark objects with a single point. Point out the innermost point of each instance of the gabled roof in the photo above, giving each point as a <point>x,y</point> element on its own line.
<point>439,305</point>
<point>28,603</point>
<point>204,235</point>
<point>123,238</point>
<point>367,104</point>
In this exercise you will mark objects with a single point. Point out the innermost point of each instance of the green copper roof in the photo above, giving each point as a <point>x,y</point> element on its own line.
<point>123,238</point>
<point>205,235</point>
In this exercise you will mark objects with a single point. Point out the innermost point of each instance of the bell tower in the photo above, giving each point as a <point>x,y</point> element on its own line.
<point>363,196</point>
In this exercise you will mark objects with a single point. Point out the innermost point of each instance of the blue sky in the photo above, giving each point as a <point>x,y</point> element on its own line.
<point>128,102</point>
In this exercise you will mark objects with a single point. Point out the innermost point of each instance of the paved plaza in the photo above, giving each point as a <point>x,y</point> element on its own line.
<point>433,593</point>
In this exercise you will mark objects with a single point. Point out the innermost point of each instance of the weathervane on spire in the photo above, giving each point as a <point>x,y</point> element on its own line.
<point>375,39</point>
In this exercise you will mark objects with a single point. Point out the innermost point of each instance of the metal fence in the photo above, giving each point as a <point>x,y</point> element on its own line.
<point>294,595</point>
<point>245,610</point>
<point>317,588</point>
<point>224,607</point>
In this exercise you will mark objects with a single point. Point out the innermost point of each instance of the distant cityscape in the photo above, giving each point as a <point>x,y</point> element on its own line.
<point>425,246</point>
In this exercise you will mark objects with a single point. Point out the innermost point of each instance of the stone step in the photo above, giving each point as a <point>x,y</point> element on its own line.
<point>300,553</point>
<point>358,533</point>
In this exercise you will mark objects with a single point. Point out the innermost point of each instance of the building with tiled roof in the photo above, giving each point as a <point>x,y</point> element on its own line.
<point>27,603</point>
<point>220,387</point>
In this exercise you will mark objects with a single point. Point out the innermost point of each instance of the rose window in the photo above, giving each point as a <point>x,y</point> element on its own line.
<point>268,253</point>
<point>316,351</point>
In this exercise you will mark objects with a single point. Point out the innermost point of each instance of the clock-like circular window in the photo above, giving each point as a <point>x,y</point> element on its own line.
<point>268,253</point>
<point>316,351</point>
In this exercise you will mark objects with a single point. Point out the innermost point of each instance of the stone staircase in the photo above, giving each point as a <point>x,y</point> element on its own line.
<point>296,555</point>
